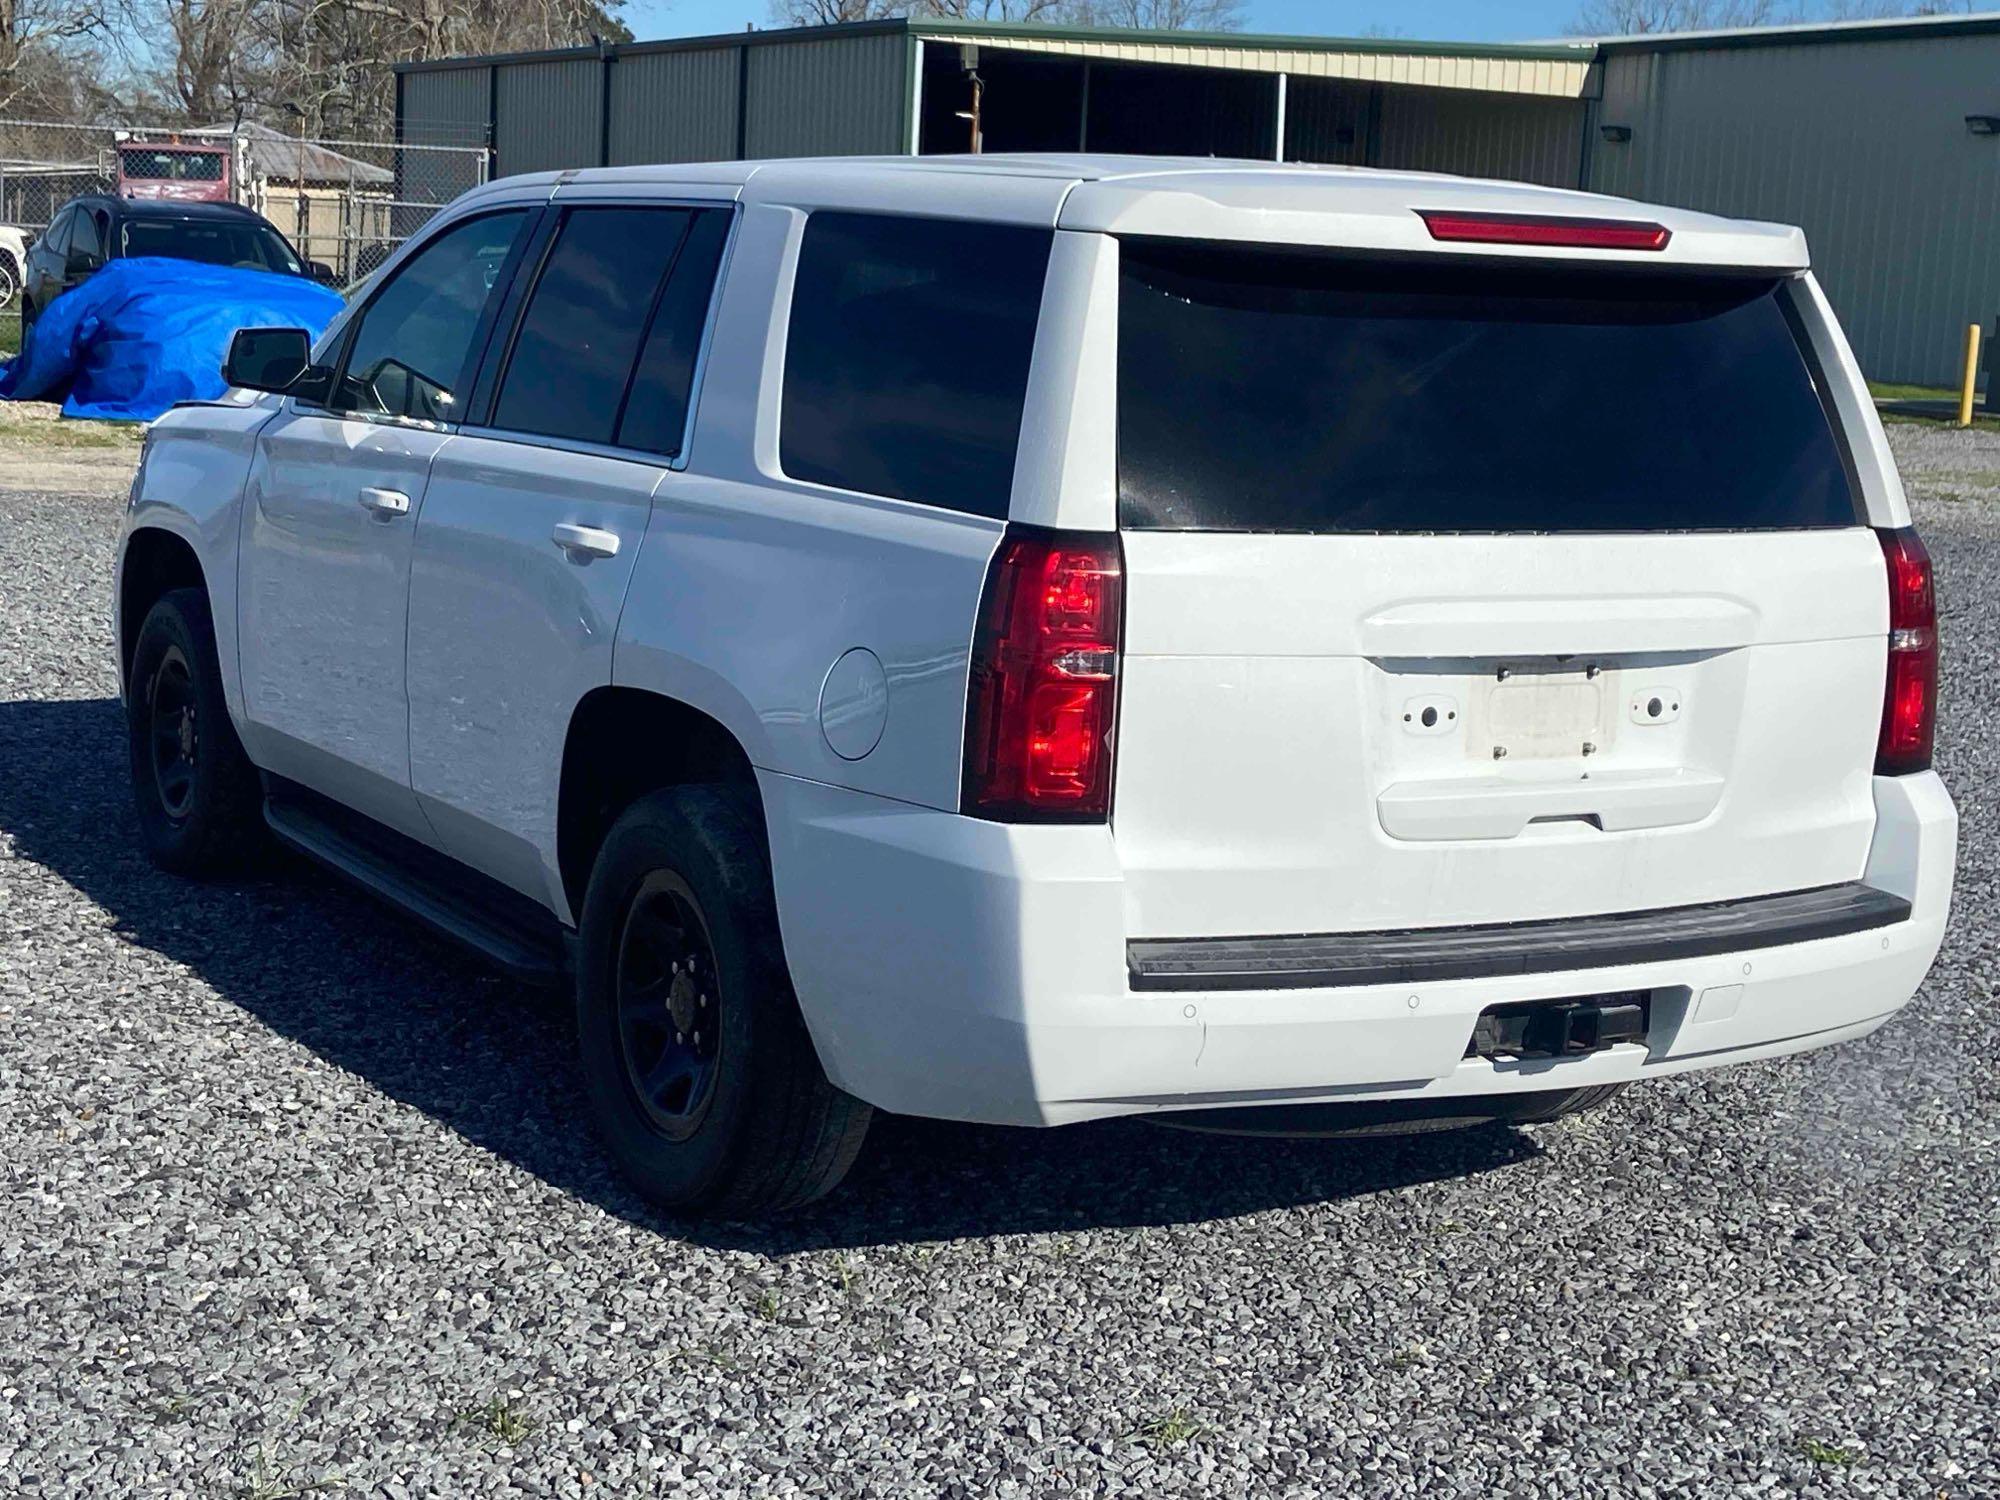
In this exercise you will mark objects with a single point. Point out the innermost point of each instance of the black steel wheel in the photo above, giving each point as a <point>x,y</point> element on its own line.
<point>175,718</point>
<point>197,795</point>
<point>701,1075</point>
<point>669,1006</point>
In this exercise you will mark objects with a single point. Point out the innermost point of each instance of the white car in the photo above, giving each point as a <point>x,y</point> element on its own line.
<point>13,264</point>
<point>1032,639</point>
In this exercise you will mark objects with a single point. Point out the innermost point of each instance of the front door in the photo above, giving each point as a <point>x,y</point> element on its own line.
<point>331,509</point>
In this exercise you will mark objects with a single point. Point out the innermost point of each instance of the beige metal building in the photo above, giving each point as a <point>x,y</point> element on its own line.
<point>1881,138</point>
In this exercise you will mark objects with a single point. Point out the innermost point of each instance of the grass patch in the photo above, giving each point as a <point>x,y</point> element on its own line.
<point>1175,1427</point>
<point>268,1480</point>
<point>10,332</point>
<point>500,1420</point>
<point>1830,1454</point>
<point>68,437</point>
<point>1889,390</point>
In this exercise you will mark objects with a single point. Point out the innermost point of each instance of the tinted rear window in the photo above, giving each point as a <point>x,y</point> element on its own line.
<point>1287,391</point>
<point>906,367</point>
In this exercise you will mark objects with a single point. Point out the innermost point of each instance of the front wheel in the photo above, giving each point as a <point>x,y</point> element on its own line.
<point>700,1072</point>
<point>199,801</point>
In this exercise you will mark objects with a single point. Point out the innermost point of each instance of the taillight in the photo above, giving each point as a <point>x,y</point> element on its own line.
<point>1044,692</point>
<point>1543,229</point>
<point>1909,703</point>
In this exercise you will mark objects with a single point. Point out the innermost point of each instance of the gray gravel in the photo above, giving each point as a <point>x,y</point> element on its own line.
<point>293,1196</point>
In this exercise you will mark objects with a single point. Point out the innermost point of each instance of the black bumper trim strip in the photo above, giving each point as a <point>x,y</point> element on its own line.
<point>1340,959</point>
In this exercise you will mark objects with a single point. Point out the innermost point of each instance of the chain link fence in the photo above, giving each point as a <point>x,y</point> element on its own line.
<point>344,204</point>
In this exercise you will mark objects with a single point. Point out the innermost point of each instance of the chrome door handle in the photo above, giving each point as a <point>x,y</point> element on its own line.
<point>385,502</point>
<point>585,541</point>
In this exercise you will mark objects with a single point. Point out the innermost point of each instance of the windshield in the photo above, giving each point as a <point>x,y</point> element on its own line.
<point>153,164</point>
<point>213,242</point>
<point>1280,390</point>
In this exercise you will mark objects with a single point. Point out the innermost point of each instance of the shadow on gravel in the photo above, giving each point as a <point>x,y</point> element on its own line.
<point>380,998</point>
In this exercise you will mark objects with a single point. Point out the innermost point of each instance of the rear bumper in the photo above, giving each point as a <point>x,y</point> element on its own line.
<point>968,970</point>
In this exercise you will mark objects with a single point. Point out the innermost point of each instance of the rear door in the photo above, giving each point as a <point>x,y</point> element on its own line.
<point>331,510</point>
<point>1478,593</point>
<point>534,518</point>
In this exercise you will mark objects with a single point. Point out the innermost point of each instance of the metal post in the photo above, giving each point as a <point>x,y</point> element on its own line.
<point>1971,378</point>
<point>1278,146</point>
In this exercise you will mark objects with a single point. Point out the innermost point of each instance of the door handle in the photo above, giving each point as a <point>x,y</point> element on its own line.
<point>385,503</point>
<point>585,541</point>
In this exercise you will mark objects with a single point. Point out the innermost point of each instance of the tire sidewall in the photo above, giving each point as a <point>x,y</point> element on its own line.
<point>665,831</point>
<point>178,842</point>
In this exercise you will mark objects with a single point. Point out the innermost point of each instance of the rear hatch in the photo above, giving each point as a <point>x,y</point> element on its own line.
<point>1480,591</point>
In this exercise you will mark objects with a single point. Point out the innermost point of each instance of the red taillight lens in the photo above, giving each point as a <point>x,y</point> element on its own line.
<point>1909,704</point>
<point>1044,692</point>
<point>1539,229</point>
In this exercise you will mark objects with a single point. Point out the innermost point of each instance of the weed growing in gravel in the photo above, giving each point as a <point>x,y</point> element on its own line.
<point>271,1481</point>
<point>1825,1453</point>
<point>1174,1428</point>
<point>768,1304</point>
<point>499,1420</point>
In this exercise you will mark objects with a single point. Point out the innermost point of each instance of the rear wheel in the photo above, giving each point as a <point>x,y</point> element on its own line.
<point>700,1072</point>
<point>198,797</point>
<point>10,284</point>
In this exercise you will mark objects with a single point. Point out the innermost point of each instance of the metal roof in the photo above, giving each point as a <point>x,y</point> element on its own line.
<point>1810,33</point>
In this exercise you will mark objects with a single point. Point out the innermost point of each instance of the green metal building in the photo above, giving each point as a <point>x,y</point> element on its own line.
<point>1882,139</point>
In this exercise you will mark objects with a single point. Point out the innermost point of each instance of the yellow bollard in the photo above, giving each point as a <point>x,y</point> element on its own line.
<point>1971,374</point>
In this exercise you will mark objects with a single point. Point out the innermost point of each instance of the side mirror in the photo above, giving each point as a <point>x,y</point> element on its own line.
<point>267,359</point>
<point>322,273</point>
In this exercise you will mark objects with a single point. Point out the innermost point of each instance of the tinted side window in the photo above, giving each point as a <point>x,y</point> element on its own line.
<point>413,350</point>
<point>88,236</point>
<point>573,355</point>
<point>907,363</point>
<point>656,409</point>
<point>56,238</point>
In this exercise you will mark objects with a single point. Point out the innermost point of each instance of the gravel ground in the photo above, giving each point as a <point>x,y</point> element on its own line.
<point>295,1199</point>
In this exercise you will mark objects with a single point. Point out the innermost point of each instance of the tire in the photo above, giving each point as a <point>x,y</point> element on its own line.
<point>199,800</point>
<point>1562,1103</point>
<point>10,283</point>
<point>704,1084</point>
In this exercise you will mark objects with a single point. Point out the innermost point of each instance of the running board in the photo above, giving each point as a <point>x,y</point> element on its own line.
<point>1331,960</point>
<point>521,939</point>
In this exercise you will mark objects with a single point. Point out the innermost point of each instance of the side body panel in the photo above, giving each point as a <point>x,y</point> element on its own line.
<point>751,586</point>
<point>190,483</point>
<point>325,594</point>
<point>507,632</point>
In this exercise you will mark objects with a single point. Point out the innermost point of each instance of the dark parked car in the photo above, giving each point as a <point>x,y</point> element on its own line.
<point>92,231</point>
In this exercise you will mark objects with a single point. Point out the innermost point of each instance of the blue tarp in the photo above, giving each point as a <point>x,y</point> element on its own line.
<point>146,332</point>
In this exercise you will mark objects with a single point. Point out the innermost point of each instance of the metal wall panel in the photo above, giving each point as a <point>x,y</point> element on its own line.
<point>550,115</point>
<point>446,106</point>
<point>1326,120</point>
<point>1482,135</point>
<point>675,106</point>
<point>842,96</point>
<point>1863,144</point>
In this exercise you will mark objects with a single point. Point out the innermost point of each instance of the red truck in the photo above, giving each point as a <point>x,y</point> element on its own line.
<point>175,170</point>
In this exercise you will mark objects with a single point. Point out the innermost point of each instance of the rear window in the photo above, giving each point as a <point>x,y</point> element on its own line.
<point>153,165</point>
<point>906,367</point>
<point>1272,390</point>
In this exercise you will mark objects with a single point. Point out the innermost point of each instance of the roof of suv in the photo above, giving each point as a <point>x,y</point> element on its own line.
<point>1189,197</point>
<point>167,208</point>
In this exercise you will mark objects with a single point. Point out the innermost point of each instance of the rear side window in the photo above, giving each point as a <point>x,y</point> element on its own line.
<point>656,410</point>
<point>1296,391</point>
<point>587,318</point>
<point>906,367</point>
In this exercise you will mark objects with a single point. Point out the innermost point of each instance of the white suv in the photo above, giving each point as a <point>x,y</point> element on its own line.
<point>1031,639</point>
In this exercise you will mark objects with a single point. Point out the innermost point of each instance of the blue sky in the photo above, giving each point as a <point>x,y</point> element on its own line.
<point>1458,20</point>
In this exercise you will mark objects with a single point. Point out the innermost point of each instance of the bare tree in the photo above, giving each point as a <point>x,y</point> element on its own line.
<point>1639,17</point>
<point>1162,15</point>
<point>35,35</point>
